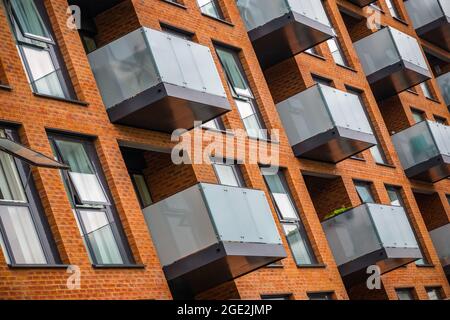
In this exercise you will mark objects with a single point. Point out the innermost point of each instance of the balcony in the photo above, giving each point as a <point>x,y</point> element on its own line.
<point>280,29</point>
<point>444,85</point>
<point>424,151</point>
<point>149,79</point>
<point>326,124</point>
<point>362,3</point>
<point>209,234</point>
<point>392,61</point>
<point>94,8</point>
<point>441,240</point>
<point>371,234</point>
<point>431,19</point>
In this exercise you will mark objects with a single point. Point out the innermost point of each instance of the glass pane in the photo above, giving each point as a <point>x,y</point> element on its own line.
<point>434,293</point>
<point>74,155</point>
<point>377,154</point>
<point>29,19</point>
<point>444,84</point>
<point>229,60</point>
<point>226,175</point>
<point>394,196</point>
<point>88,188</point>
<point>405,294</point>
<point>305,115</point>
<point>284,205</point>
<point>351,235</point>
<point>364,192</point>
<point>142,189</point>
<point>11,188</point>
<point>416,145</point>
<point>210,7</point>
<point>441,239</point>
<point>101,238</point>
<point>298,244</point>
<point>28,155</point>
<point>21,235</point>
<point>124,68</point>
<point>409,48</point>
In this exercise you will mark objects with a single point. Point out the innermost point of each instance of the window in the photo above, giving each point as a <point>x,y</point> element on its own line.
<point>24,233</point>
<point>312,51</point>
<point>320,295</point>
<point>177,32</point>
<point>392,9</point>
<point>418,116</point>
<point>376,151</point>
<point>142,191</point>
<point>210,8</point>
<point>228,174</point>
<point>242,93</point>
<point>395,196</point>
<point>426,90</point>
<point>440,120</point>
<point>286,296</point>
<point>396,199</point>
<point>94,212</point>
<point>40,55</point>
<point>292,226</point>
<point>364,190</point>
<point>434,293</point>
<point>322,80</point>
<point>336,52</point>
<point>405,294</point>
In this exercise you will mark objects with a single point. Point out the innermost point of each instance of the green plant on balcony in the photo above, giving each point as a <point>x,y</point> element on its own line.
<point>337,212</point>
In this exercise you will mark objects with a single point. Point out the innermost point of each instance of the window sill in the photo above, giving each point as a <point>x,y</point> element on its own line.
<point>346,67</point>
<point>118,266</point>
<point>413,92</point>
<point>38,266</point>
<point>264,140</point>
<point>425,265</point>
<point>315,55</point>
<point>387,165</point>
<point>218,19</point>
<point>401,21</point>
<point>312,266</point>
<point>5,87</point>
<point>45,96</point>
<point>179,5</point>
<point>433,99</point>
<point>227,132</point>
<point>358,159</point>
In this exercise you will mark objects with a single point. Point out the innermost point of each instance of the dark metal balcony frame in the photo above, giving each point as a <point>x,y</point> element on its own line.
<point>167,107</point>
<point>396,78</point>
<point>437,32</point>
<point>192,275</point>
<point>387,259</point>
<point>285,37</point>
<point>432,170</point>
<point>362,3</point>
<point>334,145</point>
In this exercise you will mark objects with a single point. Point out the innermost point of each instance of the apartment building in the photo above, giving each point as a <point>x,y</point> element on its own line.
<point>94,207</point>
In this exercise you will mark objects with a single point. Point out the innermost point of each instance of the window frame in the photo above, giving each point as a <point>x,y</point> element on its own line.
<point>109,209</point>
<point>215,161</point>
<point>35,210</point>
<point>297,222</point>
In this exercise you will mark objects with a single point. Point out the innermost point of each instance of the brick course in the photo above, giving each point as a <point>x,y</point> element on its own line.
<point>36,115</point>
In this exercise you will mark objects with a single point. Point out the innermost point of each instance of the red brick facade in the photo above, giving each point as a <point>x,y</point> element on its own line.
<point>313,196</point>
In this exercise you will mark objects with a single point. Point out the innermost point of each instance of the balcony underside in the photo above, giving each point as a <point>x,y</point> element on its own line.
<point>396,78</point>
<point>334,145</point>
<point>362,3</point>
<point>167,107</point>
<point>437,32</point>
<point>387,259</point>
<point>433,170</point>
<point>286,36</point>
<point>217,264</point>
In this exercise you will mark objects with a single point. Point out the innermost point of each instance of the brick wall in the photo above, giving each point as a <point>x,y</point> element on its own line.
<point>34,115</point>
